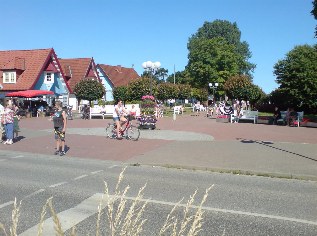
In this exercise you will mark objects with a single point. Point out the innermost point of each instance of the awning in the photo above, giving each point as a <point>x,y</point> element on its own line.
<point>29,93</point>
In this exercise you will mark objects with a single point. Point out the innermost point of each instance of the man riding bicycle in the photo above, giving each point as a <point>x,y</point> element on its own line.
<point>119,117</point>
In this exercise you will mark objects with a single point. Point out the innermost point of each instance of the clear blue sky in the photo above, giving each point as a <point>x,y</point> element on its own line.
<point>129,32</point>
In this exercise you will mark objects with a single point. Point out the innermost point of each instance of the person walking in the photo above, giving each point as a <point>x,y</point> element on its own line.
<point>8,120</point>
<point>60,120</point>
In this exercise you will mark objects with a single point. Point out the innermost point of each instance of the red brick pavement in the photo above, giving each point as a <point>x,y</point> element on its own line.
<point>99,147</point>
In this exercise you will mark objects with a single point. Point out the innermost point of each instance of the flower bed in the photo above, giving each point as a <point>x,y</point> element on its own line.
<point>223,118</point>
<point>147,122</point>
<point>147,119</point>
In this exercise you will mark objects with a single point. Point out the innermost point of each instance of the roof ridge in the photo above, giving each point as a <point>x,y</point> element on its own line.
<point>40,49</point>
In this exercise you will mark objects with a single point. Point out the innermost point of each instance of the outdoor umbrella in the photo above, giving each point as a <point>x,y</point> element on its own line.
<point>29,93</point>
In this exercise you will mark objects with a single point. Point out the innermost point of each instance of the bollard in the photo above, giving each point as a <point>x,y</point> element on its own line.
<point>174,116</point>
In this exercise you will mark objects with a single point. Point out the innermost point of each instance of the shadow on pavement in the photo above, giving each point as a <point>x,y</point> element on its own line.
<point>267,144</point>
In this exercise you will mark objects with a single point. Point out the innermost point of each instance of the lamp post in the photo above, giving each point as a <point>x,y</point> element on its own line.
<point>151,67</point>
<point>213,86</point>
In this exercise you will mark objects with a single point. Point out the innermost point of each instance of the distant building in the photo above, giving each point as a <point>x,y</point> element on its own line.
<point>114,76</point>
<point>37,69</point>
<point>75,70</point>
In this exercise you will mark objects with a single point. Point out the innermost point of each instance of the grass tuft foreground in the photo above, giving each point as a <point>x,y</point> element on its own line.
<point>124,215</point>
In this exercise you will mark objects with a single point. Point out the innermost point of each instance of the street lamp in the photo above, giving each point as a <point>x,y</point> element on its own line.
<point>151,67</point>
<point>213,86</point>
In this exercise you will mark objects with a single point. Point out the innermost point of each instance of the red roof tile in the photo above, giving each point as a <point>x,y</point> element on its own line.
<point>77,69</point>
<point>31,62</point>
<point>118,75</point>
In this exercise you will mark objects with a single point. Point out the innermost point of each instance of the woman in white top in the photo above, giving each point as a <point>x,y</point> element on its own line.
<point>118,116</point>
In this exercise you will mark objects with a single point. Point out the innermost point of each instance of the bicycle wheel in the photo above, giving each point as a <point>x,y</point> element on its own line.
<point>110,131</point>
<point>133,133</point>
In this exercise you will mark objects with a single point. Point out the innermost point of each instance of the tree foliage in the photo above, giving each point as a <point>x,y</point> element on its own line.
<point>140,87</point>
<point>212,60</point>
<point>297,77</point>
<point>235,86</point>
<point>223,54</point>
<point>181,77</point>
<point>166,91</point>
<point>199,94</point>
<point>184,91</point>
<point>159,75</point>
<point>121,93</point>
<point>89,89</point>
<point>240,87</point>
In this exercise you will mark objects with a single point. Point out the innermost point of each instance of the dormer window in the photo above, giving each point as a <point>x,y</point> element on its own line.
<point>9,77</point>
<point>49,78</point>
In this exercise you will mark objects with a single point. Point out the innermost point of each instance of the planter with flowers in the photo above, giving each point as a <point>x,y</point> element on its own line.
<point>147,119</point>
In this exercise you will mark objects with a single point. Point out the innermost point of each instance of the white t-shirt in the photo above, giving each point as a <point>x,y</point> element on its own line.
<point>120,109</point>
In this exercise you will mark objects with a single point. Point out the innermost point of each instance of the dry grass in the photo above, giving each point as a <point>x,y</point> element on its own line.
<point>125,217</point>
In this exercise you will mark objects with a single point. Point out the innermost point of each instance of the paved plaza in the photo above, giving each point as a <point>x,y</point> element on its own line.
<point>191,142</point>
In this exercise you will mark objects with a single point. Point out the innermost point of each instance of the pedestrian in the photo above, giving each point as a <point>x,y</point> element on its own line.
<point>60,120</point>
<point>277,115</point>
<point>7,120</point>
<point>16,119</point>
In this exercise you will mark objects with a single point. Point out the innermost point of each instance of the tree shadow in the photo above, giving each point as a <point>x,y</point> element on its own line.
<point>268,144</point>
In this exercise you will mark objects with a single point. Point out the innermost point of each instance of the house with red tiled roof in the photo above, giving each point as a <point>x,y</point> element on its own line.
<point>37,69</point>
<point>114,76</point>
<point>75,70</point>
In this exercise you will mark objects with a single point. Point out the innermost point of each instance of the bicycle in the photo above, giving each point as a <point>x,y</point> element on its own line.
<point>129,131</point>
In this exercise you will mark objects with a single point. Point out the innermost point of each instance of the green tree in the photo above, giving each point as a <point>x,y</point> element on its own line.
<point>212,60</point>
<point>181,77</point>
<point>166,91</point>
<point>89,89</point>
<point>297,77</point>
<point>240,87</point>
<point>199,94</point>
<point>236,87</point>
<point>140,87</point>
<point>184,91</point>
<point>121,93</point>
<point>159,75</point>
<point>232,36</point>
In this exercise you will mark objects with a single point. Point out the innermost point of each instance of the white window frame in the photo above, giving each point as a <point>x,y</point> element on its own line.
<point>51,81</point>
<point>9,77</point>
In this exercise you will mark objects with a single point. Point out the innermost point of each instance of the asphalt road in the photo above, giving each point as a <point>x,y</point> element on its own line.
<point>236,205</point>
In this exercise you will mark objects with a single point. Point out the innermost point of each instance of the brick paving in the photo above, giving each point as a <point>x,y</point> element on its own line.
<point>254,148</point>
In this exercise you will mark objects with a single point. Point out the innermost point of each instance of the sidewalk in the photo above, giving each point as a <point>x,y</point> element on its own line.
<point>193,142</point>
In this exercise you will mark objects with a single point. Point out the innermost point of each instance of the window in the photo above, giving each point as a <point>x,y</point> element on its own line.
<point>9,77</point>
<point>48,78</point>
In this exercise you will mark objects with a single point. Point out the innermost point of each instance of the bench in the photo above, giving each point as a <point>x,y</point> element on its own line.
<point>95,111</point>
<point>178,110</point>
<point>282,121</point>
<point>250,115</point>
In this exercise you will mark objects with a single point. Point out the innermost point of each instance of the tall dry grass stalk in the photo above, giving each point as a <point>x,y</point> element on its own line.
<point>125,215</point>
<point>191,224</point>
<point>14,218</point>
<point>121,223</point>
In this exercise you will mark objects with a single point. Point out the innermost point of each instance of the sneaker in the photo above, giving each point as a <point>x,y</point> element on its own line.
<point>56,152</point>
<point>62,153</point>
<point>10,142</point>
<point>5,142</point>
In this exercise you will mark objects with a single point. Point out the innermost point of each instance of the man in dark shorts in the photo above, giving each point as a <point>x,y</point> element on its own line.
<point>59,120</point>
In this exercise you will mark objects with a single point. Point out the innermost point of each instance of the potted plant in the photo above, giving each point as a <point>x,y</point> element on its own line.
<point>147,119</point>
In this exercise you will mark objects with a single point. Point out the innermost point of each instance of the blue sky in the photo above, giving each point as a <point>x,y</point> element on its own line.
<point>129,32</point>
